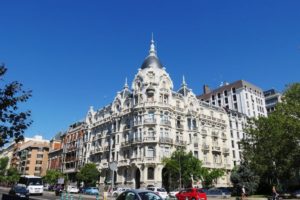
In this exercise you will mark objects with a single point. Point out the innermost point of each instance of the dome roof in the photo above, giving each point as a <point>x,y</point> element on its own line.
<point>151,60</point>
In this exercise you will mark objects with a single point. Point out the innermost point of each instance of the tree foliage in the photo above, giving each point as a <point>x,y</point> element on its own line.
<point>211,176</point>
<point>52,176</point>
<point>183,168</point>
<point>3,165</point>
<point>273,144</point>
<point>89,174</point>
<point>13,121</point>
<point>241,176</point>
<point>13,176</point>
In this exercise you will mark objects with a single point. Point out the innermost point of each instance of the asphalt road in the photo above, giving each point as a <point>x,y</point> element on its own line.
<point>47,195</point>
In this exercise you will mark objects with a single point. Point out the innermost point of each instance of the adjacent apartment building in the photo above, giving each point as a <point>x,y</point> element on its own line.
<point>72,150</point>
<point>30,157</point>
<point>55,152</point>
<point>241,101</point>
<point>272,98</point>
<point>151,120</point>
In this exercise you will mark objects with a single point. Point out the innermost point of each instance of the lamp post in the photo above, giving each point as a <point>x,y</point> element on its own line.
<point>275,173</point>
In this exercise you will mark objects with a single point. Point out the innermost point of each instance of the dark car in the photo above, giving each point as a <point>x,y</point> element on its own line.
<point>19,191</point>
<point>138,195</point>
<point>218,193</point>
<point>191,194</point>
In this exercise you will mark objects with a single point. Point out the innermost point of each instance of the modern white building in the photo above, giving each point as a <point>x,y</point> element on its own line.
<point>272,97</point>
<point>151,120</point>
<point>241,100</point>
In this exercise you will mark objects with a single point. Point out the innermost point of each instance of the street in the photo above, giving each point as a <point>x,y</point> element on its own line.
<point>47,195</point>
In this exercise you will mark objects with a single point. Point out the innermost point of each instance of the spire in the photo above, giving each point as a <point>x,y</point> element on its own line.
<point>126,84</point>
<point>152,51</point>
<point>183,81</point>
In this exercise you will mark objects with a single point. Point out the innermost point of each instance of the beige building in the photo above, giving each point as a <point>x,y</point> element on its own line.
<point>32,156</point>
<point>7,152</point>
<point>151,120</point>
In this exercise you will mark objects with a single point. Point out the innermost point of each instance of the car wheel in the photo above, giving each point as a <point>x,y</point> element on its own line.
<point>193,198</point>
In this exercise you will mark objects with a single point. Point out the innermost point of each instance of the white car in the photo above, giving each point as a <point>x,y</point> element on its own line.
<point>118,191</point>
<point>160,191</point>
<point>174,192</point>
<point>72,189</point>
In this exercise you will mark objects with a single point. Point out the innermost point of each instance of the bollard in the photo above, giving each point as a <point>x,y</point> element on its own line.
<point>67,196</point>
<point>71,196</point>
<point>80,197</point>
<point>104,195</point>
<point>97,196</point>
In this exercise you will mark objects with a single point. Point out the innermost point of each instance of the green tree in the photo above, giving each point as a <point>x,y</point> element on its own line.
<point>89,174</point>
<point>183,167</point>
<point>52,176</point>
<point>272,148</point>
<point>210,177</point>
<point>13,176</point>
<point>13,121</point>
<point>241,176</point>
<point>3,165</point>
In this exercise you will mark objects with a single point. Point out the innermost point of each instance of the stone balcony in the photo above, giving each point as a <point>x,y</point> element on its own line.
<point>205,147</point>
<point>216,148</point>
<point>149,121</point>
<point>165,140</point>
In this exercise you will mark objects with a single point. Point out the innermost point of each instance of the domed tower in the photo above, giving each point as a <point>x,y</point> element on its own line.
<point>152,83</point>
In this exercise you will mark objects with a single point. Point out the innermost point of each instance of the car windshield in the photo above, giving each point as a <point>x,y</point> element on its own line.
<point>149,196</point>
<point>20,189</point>
<point>161,190</point>
<point>35,181</point>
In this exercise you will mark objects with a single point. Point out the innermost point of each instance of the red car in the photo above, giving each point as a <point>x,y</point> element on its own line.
<point>191,194</point>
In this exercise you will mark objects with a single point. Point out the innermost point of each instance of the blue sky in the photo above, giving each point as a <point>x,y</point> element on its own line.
<point>74,54</point>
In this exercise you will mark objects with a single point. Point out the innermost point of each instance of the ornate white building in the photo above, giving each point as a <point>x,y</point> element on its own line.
<point>149,122</point>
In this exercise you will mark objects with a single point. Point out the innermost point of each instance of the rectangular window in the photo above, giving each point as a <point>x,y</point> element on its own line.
<point>219,95</point>
<point>234,97</point>
<point>232,143</point>
<point>233,154</point>
<point>226,100</point>
<point>39,155</point>
<point>225,92</point>
<point>235,106</point>
<point>196,154</point>
<point>38,162</point>
<point>233,90</point>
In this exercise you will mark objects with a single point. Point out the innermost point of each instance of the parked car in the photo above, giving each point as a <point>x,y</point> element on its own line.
<point>296,194</point>
<point>92,191</point>
<point>191,194</point>
<point>160,191</point>
<point>117,191</point>
<point>174,192</point>
<point>19,191</point>
<point>216,192</point>
<point>139,195</point>
<point>72,189</point>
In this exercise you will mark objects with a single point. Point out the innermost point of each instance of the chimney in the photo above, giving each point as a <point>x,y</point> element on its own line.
<point>206,89</point>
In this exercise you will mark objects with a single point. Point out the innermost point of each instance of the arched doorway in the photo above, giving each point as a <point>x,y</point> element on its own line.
<point>165,179</point>
<point>137,178</point>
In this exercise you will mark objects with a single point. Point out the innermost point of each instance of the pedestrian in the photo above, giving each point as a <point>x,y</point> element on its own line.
<point>274,193</point>
<point>243,193</point>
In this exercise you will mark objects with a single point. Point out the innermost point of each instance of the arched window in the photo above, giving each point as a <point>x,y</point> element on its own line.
<point>150,173</point>
<point>151,132</point>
